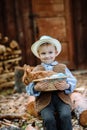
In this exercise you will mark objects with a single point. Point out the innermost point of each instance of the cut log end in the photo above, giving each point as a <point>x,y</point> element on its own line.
<point>83,118</point>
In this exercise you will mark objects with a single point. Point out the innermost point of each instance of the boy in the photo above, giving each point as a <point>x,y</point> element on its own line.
<point>47,103</point>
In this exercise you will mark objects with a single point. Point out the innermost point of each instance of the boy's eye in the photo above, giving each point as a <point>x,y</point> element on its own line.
<point>50,52</point>
<point>43,53</point>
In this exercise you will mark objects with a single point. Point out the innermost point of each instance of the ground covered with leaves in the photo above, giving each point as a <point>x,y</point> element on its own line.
<point>13,112</point>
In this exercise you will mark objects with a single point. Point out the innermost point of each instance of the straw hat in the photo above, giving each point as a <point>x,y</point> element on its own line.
<point>45,39</point>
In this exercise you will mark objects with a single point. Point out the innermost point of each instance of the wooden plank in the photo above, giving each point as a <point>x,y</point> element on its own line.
<point>9,19</point>
<point>56,24</point>
<point>47,1</point>
<point>12,60</point>
<point>1,18</point>
<point>20,32</point>
<point>26,22</point>
<point>64,55</point>
<point>69,33</point>
<point>6,75</point>
<point>48,8</point>
<point>7,84</point>
<point>80,31</point>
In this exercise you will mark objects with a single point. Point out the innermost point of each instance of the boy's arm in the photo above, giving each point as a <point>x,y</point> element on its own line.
<point>71,80</point>
<point>30,90</point>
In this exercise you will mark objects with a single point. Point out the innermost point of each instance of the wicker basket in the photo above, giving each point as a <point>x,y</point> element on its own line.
<point>49,84</point>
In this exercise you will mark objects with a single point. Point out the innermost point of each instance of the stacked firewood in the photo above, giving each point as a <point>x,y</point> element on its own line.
<point>10,56</point>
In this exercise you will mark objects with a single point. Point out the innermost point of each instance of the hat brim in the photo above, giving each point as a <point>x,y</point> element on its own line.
<point>55,42</point>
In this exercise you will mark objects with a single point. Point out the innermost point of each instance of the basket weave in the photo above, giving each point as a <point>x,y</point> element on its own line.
<point>50,85</point>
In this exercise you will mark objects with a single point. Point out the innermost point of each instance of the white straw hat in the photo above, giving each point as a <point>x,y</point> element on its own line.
<point>45,39</point>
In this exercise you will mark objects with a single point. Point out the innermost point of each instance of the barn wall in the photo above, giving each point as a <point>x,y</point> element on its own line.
<point>79,10</point>
<point>26,20</point>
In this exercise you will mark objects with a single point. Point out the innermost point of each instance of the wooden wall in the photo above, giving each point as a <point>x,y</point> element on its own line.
<point>15,22</point>
<point>79,9</point>
<point>26,20</point>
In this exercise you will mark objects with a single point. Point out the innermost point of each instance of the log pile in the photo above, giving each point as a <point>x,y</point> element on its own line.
<point>10,56</point>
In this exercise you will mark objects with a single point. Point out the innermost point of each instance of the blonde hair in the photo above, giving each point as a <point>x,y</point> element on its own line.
<point>46,44</point>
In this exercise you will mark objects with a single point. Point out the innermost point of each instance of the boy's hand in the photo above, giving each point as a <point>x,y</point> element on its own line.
<point>61,85</point>
<point>41,86</point>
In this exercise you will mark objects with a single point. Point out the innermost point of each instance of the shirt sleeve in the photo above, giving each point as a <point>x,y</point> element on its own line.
<point>71,80</point>
<point>30,90</point>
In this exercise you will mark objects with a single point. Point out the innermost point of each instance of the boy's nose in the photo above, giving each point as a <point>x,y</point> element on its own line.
<point>47,55</point>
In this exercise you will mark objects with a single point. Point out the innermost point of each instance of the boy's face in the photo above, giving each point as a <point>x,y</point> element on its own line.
<point>47,53</point>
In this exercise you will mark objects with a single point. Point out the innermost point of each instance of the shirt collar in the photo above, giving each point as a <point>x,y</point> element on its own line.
<point>51,64</point>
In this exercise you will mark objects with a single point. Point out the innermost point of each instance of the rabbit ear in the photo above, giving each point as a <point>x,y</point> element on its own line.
<point>27,71</point>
